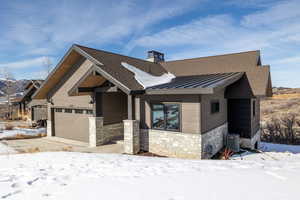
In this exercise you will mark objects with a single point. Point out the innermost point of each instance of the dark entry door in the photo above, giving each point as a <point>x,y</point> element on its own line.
<point>239,117</point>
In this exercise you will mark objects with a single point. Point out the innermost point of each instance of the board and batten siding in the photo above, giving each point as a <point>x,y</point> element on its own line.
<point>190,110</point>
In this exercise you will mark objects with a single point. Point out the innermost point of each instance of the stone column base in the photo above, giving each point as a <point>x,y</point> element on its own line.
<point>131,136</point>
<point>49,128</point>
<point>95,131</point>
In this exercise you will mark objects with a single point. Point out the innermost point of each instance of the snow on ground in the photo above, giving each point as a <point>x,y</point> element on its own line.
<point>271,151</point>
<point>74,176</point>
<point>4,149</point>
<point>21,131</point>
<point>146,79</point>
<point>269,147</point>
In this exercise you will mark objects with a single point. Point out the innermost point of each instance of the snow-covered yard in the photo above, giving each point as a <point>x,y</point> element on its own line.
<point>18,132</point>
<point>66,175</point>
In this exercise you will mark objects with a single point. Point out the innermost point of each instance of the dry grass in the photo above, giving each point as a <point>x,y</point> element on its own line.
<point>67,148</point>
<point>24,126</point>
<point>33,150</point>
<point>21,136</point>
<point>8,127</point>
<point>275,107</point>
<point>287,96</point>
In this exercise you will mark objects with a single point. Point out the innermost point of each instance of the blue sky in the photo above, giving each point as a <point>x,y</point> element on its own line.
<point>32,30</point>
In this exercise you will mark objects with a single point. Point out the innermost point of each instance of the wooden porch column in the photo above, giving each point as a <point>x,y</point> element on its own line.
<point>130,107</point>
<point>98,104</point>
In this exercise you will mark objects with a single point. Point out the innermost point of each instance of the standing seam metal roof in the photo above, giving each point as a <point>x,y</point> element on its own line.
<point>199,81</point>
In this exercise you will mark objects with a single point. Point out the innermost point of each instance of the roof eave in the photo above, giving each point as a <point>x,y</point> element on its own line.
<point>180,91</point>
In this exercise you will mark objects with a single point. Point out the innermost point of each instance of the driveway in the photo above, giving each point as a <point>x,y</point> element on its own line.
<point>58,144</point>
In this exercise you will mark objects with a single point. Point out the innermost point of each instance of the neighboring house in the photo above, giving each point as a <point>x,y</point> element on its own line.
<point>32,109</point>
<point>96,96</point>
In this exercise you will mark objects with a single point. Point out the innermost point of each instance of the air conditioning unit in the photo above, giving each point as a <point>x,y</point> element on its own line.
<point>233,142</point>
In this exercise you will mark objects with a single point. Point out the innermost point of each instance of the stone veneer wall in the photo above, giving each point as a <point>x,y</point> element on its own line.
<point>250,143</point>
<point>49,128</point>
<point>131,136</point>
<point>100,134</point>
<point>171,144</point>
<point>213,141</point>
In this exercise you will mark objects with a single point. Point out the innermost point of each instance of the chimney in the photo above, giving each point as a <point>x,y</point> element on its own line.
<point>155,56</point>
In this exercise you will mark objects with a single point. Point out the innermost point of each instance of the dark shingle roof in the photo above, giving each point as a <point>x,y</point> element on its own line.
<point>112,65</point>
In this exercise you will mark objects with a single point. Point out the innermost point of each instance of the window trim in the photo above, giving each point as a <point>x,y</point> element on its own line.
<point>65,110</point>
<point>78,111</point>
<point>89,111</point>
<point>60,110</point>
<point>165,121</point>
<point>211,108</point>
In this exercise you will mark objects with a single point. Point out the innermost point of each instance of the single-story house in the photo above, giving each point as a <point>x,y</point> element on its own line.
<point>32,109</point>
<point>182,108</point>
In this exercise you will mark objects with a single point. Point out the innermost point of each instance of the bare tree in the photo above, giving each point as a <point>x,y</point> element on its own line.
<point>9,88</point>
<point>48,65</point>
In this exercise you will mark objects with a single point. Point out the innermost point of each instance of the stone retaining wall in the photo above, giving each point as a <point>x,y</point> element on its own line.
<point>171,144</point>
<point>100,134</point>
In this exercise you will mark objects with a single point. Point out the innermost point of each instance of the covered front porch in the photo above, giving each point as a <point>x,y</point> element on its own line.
<point>115,110</point>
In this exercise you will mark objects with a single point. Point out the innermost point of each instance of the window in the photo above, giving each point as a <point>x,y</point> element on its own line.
<point>78,111</point>
<point>214,107</point>
<point>254,107</point>
<point>89,112</point>
<point>58,109</point>
<point>166,116</point>
<point>67,110</point>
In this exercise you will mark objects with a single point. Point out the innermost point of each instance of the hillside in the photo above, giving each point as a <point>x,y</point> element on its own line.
<point>18,87</point>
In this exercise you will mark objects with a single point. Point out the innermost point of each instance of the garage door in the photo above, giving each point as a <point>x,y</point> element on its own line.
<point>72,123</point>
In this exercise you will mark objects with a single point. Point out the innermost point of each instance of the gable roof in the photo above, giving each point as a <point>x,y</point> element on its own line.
<point>109,66</point>
<point>30,88</point>
<point>248,62</point>
<point>106,63</point>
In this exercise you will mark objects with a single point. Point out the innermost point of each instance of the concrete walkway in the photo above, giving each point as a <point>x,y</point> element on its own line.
<point>59,144</point>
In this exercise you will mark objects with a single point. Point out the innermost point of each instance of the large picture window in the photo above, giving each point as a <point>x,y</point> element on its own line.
<point>166,116</point>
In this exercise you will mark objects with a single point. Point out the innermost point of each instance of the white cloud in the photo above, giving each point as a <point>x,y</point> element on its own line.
<point>283,12</point>
<point>29,63</point>
<point>288,60</point>
<point>46,26</point>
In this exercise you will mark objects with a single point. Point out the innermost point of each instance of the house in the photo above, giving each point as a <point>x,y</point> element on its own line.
<point>182,108</point>
<point>32,109</point>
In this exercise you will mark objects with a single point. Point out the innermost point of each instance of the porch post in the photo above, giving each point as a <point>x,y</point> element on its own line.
<point>96,135</point>
<point>50,113</point>
<point>131,130</point>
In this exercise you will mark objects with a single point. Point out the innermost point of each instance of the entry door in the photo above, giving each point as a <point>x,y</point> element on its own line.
<point>239,117</point>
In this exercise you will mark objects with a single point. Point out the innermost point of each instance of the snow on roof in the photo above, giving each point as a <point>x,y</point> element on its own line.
<point>146,79</point>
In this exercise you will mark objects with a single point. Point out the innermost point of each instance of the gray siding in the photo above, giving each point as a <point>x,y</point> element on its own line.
<point>114,107</point>
<point>210,121</point>
<point>190,110</point>
<point>38,112</point>
<point>60,94</point>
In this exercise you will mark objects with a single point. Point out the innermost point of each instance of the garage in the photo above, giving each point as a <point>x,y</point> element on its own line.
<point>72,123</point>
<point>38,112</point>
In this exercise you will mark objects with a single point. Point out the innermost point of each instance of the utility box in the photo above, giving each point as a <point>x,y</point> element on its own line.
<point>233,142</point>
